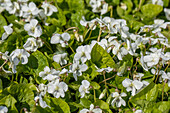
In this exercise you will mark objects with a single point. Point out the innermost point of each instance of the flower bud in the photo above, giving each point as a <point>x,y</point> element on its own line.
<point>102,94</point>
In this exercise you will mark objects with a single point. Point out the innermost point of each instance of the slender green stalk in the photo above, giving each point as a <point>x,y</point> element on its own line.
<point>71,48</point>
<point>94,95</point>
<point>100,32</point>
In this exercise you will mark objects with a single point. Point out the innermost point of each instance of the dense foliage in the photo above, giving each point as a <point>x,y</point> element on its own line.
<point>84,56</point>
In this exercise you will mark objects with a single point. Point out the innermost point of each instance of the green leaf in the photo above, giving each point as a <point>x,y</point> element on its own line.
<point>75,104</point>
<point>166,87</point>
<point>151,10</point>
<point>93,73</point>
<point>23,93</point>
<point>61,17</point>
<point>122,69</point>
<point>95,85</point>
<point>120,11</point>
<point>9,101</point>
<point>49,30</point>
<point>166,3</point>
<point>143,91</point>
<point>116,2</point>
<point>38,109</point>
<point>56,65</point>
<point>109,99</point>
<point>76,5</point>
<point>100,57</point>
<point>167,34</point>
<point>129,5</point>
<point>118,81</point>
<point>152,94</point>
<point>146,95</point>
<point>59,1</point>
<point>160,107</point>
<point>75,19</point>
<point>59,105</point>
<point>135,25</point>
<point>8,44</point>
<point>11,18</point>
<point>37,61</point>
<point>85,102</point>
<point>1,87</point>
<point>2,23</point>
<point>102,104</point>
<point>74,86</point>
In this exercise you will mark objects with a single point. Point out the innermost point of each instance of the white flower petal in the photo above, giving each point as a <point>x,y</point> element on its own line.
<point>55,39</point>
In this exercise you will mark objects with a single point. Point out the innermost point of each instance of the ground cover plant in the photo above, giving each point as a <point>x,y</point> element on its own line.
<point>84,56</point>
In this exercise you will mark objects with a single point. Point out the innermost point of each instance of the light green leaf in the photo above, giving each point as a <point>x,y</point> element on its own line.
<point>9,43</point>
<point>160,107</point>
<point>76,5</point>
<point>102,104</point>
<point>38,109</point>
<point>74,86</point>
<point>95,85</point>
<point>152,94</point>
<point>120,11</point>
<point>146,95</point>
<point>1,87</point>
<point>37,61</point>
<point>23,93</point>
<point>85,102</point>
<point>116,2</point>
<point>166,3</point>
<point>59,1</point>
<point>2,23</point>
<point>135,25</point>
<point>100,57</point>
<point>151,10</point>
<point>122,69</point>
<point>129,5</point>
<point>59,105</point>
<point>9,101</point>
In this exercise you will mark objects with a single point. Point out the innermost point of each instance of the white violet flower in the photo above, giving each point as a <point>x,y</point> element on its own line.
<point>83,53</point>
<point>8,31</point>
<point>3,109</point>
<point>33,28</point>
<point>132,85</point>
<point>57,88</point>
<point>19,55</point>
<point>48,8</point>
<point>166,76</point>
<point>60,38</point>
<point>48,74</point>
<point>84,88</point>
<point>42,103</point>
<point>91,110</point>
<point>77,69</point>
<point>60,58</point>
<point>32,44</point>
<point>118,99</point>
<point>167,13</point>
